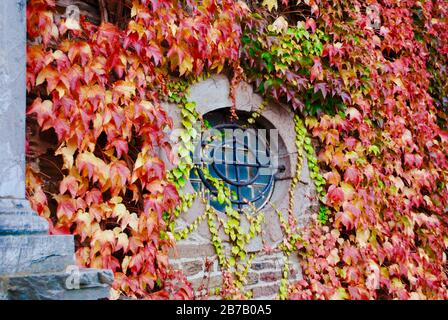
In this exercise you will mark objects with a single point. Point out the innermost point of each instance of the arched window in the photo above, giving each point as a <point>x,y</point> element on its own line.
<point>265,184</point>
<point>243,156</point>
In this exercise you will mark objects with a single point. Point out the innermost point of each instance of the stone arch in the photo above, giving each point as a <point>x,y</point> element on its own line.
<point>214,94</point>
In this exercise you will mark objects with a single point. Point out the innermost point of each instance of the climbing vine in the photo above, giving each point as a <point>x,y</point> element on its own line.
<point>98,89</point>
<point>364,92</point>
<point>369,97</point>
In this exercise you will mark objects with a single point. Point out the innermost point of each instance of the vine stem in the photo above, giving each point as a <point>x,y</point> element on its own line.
<point>103,11</point>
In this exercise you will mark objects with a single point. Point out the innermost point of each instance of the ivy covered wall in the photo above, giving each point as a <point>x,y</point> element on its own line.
<point>366,86</point>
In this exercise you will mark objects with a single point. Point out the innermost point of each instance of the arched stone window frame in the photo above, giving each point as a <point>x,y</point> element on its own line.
<point>214,94</point>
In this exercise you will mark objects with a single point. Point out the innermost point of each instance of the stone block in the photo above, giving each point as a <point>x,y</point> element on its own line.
<point>17,222</point>
<point>191,268</point>
<point>272,232</point>
<point>245,99</point>
<point>35,253</point>
<point>191,250</point>
<point>281,118</point>
<point>270,276</point>
<point>211,94</point>
<point>93,284</point>
<point>207,281</point>
<point>252,278</point>
<point>265,290</point>
<point>260,265</point>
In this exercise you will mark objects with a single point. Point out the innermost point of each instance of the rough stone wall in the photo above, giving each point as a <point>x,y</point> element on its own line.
<point>199,263</point>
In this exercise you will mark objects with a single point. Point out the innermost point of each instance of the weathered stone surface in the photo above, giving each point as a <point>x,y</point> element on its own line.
<point>270,276</point>
<point>262,265</point>
<point>32,263</point>
<point>207,281</point>
<point>281,117</point>
<point>21,222</point>
<point>191,250</point>
<point>35,253</point>
<point>265,290</point>
<point>211,94</point>
<point>12,98</point>
<point>245,98</point>
<point>192,267</point>
<point>93,284</point>
<point>294,272</point>
<point>16,217</point>
<point>252,278</point>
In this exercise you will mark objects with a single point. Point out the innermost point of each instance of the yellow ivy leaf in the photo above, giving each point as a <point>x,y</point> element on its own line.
<point>122,242</point>
<point>340,294</point>
<point>136,27</point>
<point>147,105</point>
<point>398,82</point>
<point>120,211</point>
<point>133,221</point>
<point>106,236</point>
<point>125,263</point>
<point>97,262</point>
<point>173,28</point>
<point>114,294</point>
<point>270,4</point>
<point>45,74</point>
<point>84,217</point>
<point>333,257</point>
<point>348,189</point>
<point>311,122</point>
<point>125,88</point>
<point>362,236</point>
<point>67,151</point>
<point>280,25</point>
<point>117,231</point>
<point>186,65</point>
<point>116,200</point>
<point>139,162</point>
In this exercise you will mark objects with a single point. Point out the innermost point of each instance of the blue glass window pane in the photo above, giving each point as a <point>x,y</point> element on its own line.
<point>252,172</point>
<point>246,193</point>
<point>240,156</point>
<point>238,164</point>
<point>196,185</point>
<point>243,172</point>
<point>263,179</point>
<point>220,167</point>
<point>231,173</point>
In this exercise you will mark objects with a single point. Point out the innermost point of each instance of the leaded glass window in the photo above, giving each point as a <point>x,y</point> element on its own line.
<point>240,156</point>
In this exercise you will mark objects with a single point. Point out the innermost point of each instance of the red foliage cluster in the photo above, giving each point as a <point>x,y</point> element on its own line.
<point>383,154</point>
<point>98,88</point>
